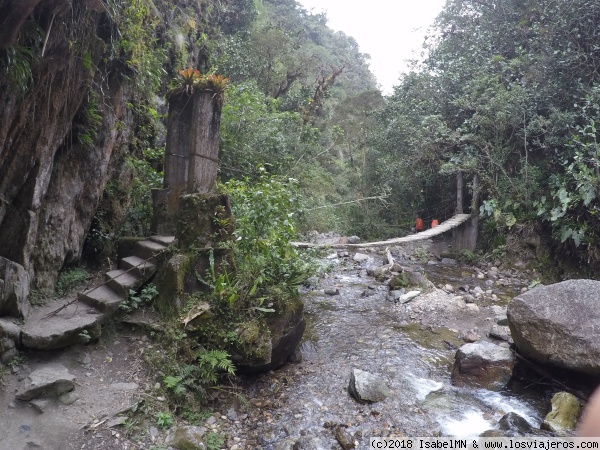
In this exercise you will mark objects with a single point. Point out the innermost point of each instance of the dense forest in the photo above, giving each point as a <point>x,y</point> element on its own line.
<point>505,91</point>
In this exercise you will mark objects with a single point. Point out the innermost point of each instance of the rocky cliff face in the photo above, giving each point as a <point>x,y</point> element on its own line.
<point>74,76</point>
<point>50,181</point>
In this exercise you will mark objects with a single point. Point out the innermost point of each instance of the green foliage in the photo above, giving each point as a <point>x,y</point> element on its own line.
<point>85,337</point>
<point>214,441</point>
<point>138,299</point>
<point>90,120</point>
<point>164,420</point>
<point>126,207</point>
<point>69,280</point>
<point>468,257</point>
<point>572,207</point>
<point>265,215</point>
<point>18,360</point>
<point>136,44</point>
<point>203,373</point>
<point>18,60</point>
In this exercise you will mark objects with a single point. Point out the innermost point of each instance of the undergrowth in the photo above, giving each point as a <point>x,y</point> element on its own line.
<point>257,278</point>
<point>69,280</point>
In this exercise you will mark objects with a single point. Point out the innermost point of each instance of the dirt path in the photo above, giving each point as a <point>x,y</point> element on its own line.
<point>110,376</point>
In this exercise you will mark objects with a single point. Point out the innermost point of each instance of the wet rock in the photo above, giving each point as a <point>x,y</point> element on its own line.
<point>563,417</point>
<point>395,295</point>
<point>493,273</point>
<point>360,257</point>
<point>405,298</point>
<point>398,282</point>
<point>470,337</point>
<point>295,357</point>
<point>449,262</point>
<point>50,381</point>
<point>286,329</point>
<point>14,289</point>
<point>308,443</point>
<point>416,278</point>
<point>515,423</point>
<point>397,268</point>
<point>483,365</point>
<point>472,307</point>
<point>378,273</point>
<point>344,438</point>
<point>353,240</point>
<point>468,298</point>
<point>559,324</point>
<point>367,387</point>
<point>332,291</point>
<point>311,282</point>
<point>186,438</point>
<point>500,332</point>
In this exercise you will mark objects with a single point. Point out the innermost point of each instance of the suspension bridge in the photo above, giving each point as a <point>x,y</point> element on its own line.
<point>442,228</point>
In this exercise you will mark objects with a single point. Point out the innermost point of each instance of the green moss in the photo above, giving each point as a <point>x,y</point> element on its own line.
<point>204,220</point>
<point>254,341</point>
<point>171,283</point>
<point>399,281</point>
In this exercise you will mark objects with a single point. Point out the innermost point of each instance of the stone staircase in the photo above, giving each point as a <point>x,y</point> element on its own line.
<point>61,324</point>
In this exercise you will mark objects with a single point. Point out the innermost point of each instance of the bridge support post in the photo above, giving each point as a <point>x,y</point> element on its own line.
<point>459,193</point>
<point>465,236</point>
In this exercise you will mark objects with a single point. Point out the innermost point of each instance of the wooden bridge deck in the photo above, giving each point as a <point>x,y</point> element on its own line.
<point>442,228</point>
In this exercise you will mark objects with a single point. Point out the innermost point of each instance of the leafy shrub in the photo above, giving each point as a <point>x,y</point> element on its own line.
<point>70,279</point>
<point>138,299</point>
<point>265,215</point>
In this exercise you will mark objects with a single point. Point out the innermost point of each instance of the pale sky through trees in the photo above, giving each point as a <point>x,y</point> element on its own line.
<point>391,31</point>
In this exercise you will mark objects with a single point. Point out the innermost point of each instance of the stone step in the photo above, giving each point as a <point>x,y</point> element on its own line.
<point>77,323</point>
<point>164,240</point>
<point>148,249</point>
<point>102,297</point>
<point>138,266</point>
<point>121,281</point>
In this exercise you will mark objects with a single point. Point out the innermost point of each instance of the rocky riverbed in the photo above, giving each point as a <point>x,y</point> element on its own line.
<point>408,338</point>
<point>360,319</point>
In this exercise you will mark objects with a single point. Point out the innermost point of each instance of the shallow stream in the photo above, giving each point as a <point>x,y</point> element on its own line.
<point>360,328</point>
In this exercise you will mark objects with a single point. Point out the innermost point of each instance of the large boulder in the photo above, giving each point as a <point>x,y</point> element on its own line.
<point>563,416</point>
<point>483,365</point>
<point>367,387</point>
<point>559,325</point>
<point>14,289</point>
<point>268,345</point>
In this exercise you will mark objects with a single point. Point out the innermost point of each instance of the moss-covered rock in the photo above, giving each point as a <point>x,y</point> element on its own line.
<point>564,414</point>
<point>254,346</point>
<point>398,282</point>
<point>285,328</point>
<point>204,221</point>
